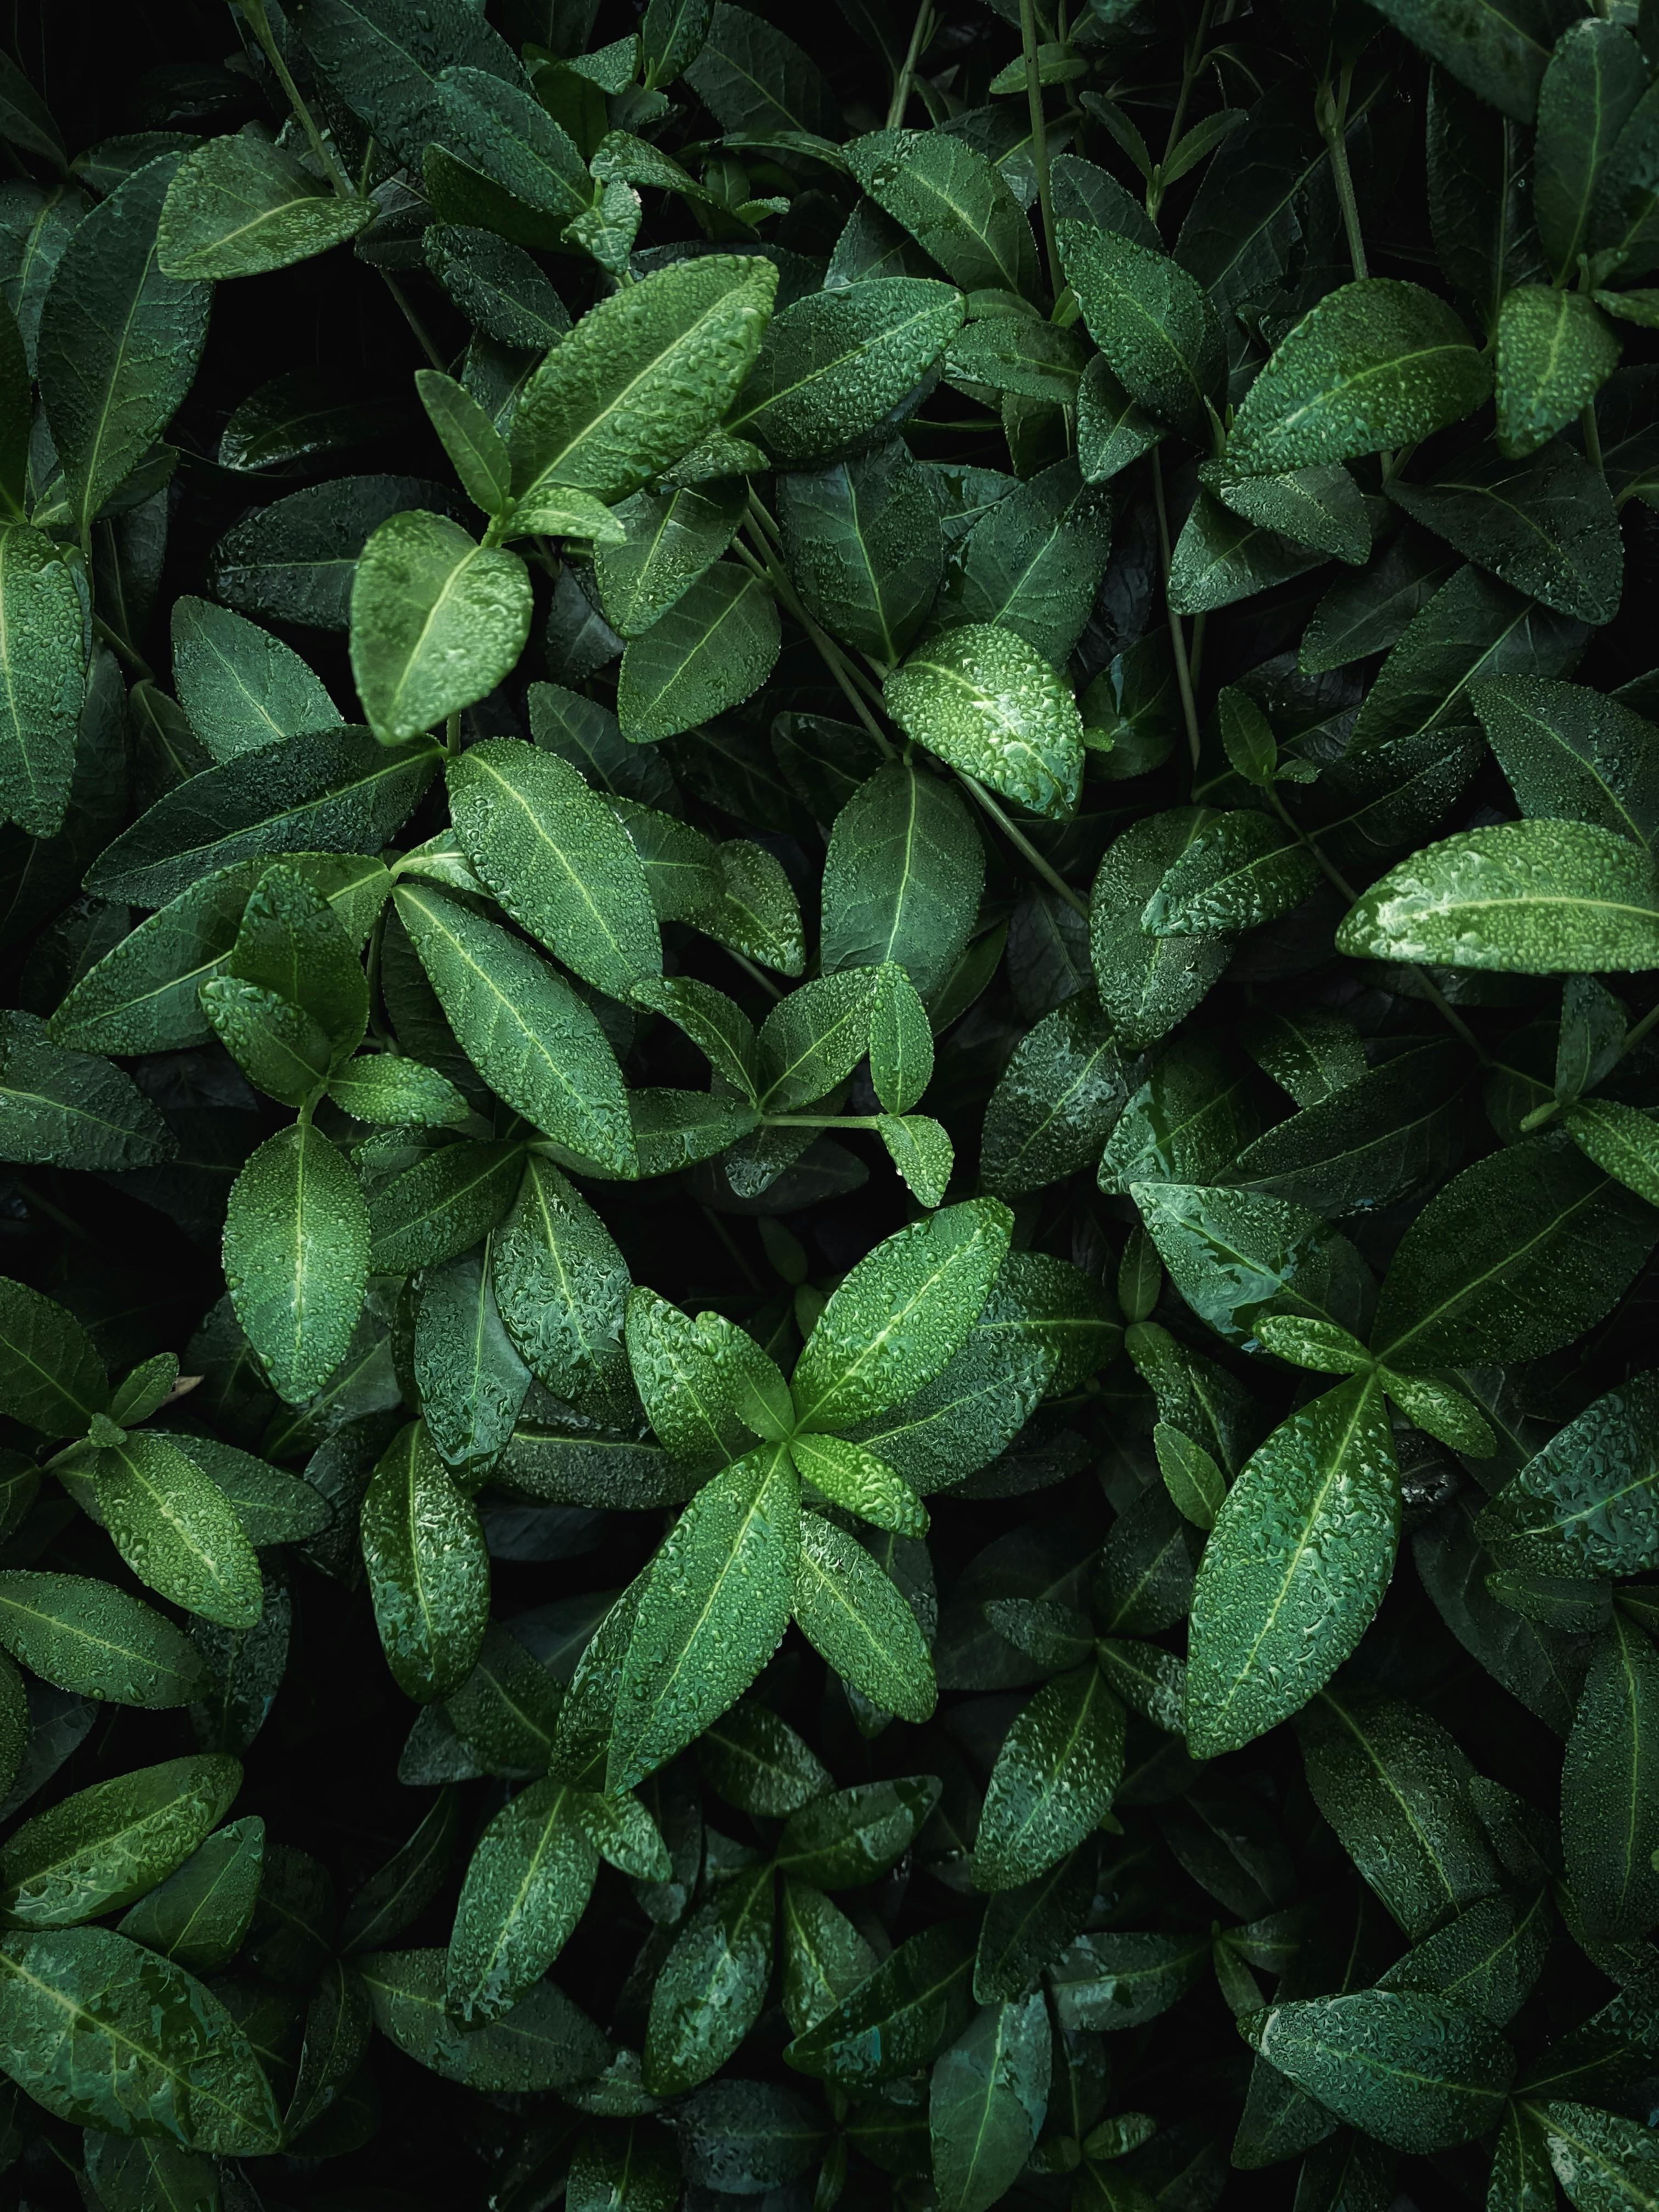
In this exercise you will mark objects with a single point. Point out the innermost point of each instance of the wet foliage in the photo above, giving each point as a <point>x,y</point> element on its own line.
<point>828,1124</point>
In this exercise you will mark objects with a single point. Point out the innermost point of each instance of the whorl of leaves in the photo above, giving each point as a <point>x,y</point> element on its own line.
<point>830,852</point>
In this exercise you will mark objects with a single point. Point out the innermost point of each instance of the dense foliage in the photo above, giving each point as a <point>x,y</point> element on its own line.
<point>832,1134</point>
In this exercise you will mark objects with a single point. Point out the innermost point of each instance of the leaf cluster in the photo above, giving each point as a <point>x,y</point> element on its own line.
<point>829,1115</point>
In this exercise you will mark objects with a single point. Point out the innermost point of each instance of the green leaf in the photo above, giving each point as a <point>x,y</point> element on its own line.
<point>1545,524</point>
<point>296,1253</point>
<point>1541,898</point>
<point>526,1885</point>
<point>428,1572</point>
<point>241,687</point>
<point>557,859</point>
<point>1396,1789</point>
<point>1609,1830</point>
<point>199,1916</point>
<point>1055,1776</point>
<point>1056,1102</point>
<point>437,622</point>
<point>277,1046</point>
<point>864,546</point>
<point>89,1637</point>
<point>1555,350</point>
<point>291,941</point>
<point>1113,432</point>
<point>1594,81</point>
<point>471,1381</point>
<point>834,366</point>
<point>915,2003</point>
<point>640,379</point>
<point>1294,1569</point>
<point>813,1039</point>
<point>385,64</point>
<point>561,1286</point>
<point>477,450</point>
<point>1220,558</point>
<point>664,541</point>
<point>107,1846</point>
<point>854,1837</point>
<point>106,2034</point>
<point>954,203</point>
<point>535,1043</point>
<point>713,1609</point>
<point>1240,871</point>
<point>896,1320</point>
<point>715,647</point>
<point>1034,562</point>
<point>1154,324</point>
<point>1321,508</point>
<point>986,2100</point>
<point>901,1041</point>
<point>853,1478</point>
<point>705,1385</point>
<point>42,690</point>
<point>177,1530</point>
<point>1376,363</point>
<point>1196,1484</point>
<point>1572,754</point>
<point>1501,53</point>
<point>119,341</point>
<point>856,1618</point>
<point>397,1093</point>
<point>543,2042</point>
<point>1236,1256</point>
<point>330,791</point>
<point>1511,1259</point>
<point>712,1985</point>
<point>1386,1133</point>
<point>497,157</point>
<point>1621,1139</point>
<point>921,1151</point>
<point>1587,1503</point>
<point>988,704</point>
<point>1414,2071</point>
<point>435,1210</point>
<point>1121,1981</point>
<point>54,1379</point>
<point>237,207</point>
<point>903,878</point>
<point>1602,2159</point>
<point>1146,983</point>
<point>1488,1960</point>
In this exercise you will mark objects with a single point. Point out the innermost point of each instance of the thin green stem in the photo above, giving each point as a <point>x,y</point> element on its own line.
<point>757,975</point>
<point>378,1029</point>
<point>1022,844</point>
<point>255,12</point>
<point>1592,430</point>
<point>118,646</point>
<point>733,1247</point>
<point>1431,990</point>
<point>41,1204</point>
<point>1643,1028</point>
<point>452,733</point>
<point>764,563</point>
<point>822,1120</point>
<point>920,31</point>
<point>433,356</point>
<point>1177,636</point>
<point>1333,126</point>
<point>1040,140</point>
<point>1192,60</point>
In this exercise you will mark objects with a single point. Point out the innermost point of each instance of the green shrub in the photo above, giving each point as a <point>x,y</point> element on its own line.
<point>832,1135</point>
